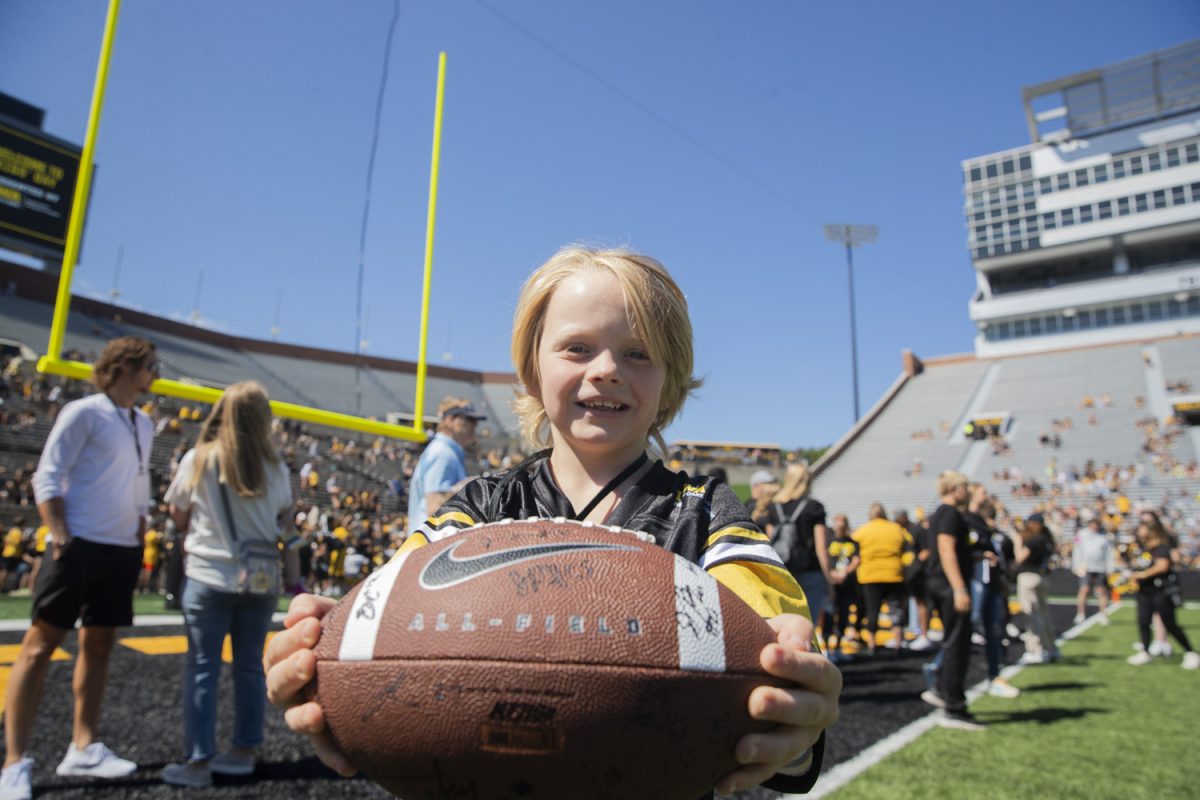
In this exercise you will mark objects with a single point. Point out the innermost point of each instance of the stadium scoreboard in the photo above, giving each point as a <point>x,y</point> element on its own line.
<point>38,175</point>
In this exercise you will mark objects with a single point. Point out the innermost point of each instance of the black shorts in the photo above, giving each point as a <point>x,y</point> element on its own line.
<point>1093,579</point>
<point>90,581</point>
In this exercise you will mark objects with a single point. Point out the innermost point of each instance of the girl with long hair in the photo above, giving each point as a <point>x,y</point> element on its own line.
<point>232,488</point>
<point>1156,592</point>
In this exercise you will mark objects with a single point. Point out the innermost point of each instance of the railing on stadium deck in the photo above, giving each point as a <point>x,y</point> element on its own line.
<point>53,363</point>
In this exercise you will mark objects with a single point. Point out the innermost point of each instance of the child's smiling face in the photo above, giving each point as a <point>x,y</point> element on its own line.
<point>599,385</point>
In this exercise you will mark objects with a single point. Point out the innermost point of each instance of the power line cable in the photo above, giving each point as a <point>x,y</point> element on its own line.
<point>645,109</point>
<point>366,214</point>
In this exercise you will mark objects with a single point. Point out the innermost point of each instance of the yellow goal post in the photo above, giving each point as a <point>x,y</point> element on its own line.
<point>53,363</point>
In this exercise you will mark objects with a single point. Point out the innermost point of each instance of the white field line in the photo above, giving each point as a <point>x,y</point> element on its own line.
<point>847,771</point>
<point>139,621</point>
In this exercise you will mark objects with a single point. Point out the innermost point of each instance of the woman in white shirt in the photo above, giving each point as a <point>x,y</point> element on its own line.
<point>234,478</point>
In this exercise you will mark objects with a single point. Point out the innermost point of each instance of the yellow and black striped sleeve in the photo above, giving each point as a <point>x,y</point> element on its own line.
<point>744,561</point>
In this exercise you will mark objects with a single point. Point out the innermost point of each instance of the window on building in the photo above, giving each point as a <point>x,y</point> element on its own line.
<point>1192,152</point>
<point>1018,328</point>
<point>1035,326</point>
<point>1118,169</point>
<point>1068,217</point>
<point>1155,161</point>
<point>1068,323</point>
<point>1154,309</point>
<point>1137,312</point>
<point>1012,210</point>
<point>1085,214</point>
<point>1100,173</point>
<point>1196,192</point>
<point>1178,196</point>
<point>1160,198</point>
<point>1193,305</point>
<point>1100,317</point>
<point>1105,209</point>
<point>1135,165</point>
<point>1084,320</point>
<point>1002,330</point>
<point>976,174</point>
<point>1062,181</point>
<point>1026,163</point>
<point>1052,324</point>
<point>1081,177</point>
<point>1049,223</point>
<point>1009,166</point>
<point>1118,315</point>
<point>1123,206</point>
<point>1175,309</point>
<point>1045,186</point>
<point>1030,206</point>
<point>1141,202</point>
<point>1173,157</point>
<point>992,171</point>
<point>980,216</point>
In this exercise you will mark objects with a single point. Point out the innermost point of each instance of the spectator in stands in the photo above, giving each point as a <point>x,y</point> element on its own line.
<point>1093,560</point>
<point>93,493</point>
<point>1158,592</point>
<point>442,468</point>
<point>232,489</point>
<point>881,543</point>
<point>1034,547</point>
<point>14,549</point>
<point>947,574</point>
<point>796,527</point>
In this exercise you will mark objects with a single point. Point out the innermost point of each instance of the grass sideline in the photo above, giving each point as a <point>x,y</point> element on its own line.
<point>17,606</point>
<point>1091,726</point>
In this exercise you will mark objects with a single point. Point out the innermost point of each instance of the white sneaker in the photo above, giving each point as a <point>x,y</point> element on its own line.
<point>1165,649</point>
<point>1155,648</point>
<point>1139,658</point>
<point>94,761</point>
<point>1078,619</point>
<point>919,644</point>
<point>1033,658</point>
<point>187,775</point>
<point>1191,660</point>
<point>1104,620</point>
<point>1139,647</point>
<point>16,782</point>
<point>1002,688</point>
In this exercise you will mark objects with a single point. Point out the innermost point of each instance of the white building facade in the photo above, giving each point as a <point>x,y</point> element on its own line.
<point>1091,234</point>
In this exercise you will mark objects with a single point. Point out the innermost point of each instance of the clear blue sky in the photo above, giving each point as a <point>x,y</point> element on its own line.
<point>716,136</point>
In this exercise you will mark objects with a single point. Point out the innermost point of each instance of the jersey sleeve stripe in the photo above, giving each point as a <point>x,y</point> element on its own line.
<point>767,588</point>
<point>739,551</point>
<point>736,531</point>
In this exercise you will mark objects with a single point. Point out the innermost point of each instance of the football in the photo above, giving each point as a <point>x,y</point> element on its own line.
<point>541,659</point>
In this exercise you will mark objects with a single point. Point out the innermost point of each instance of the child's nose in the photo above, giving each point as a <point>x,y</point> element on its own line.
<point>604,367</point>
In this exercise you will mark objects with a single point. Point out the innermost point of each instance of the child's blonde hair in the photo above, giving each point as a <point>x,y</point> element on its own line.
<point>657,311</point>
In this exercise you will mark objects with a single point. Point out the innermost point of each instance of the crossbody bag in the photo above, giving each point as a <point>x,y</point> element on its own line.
<point>258,561</point>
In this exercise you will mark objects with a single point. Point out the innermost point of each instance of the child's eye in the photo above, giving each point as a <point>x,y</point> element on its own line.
<point>638,355</point>
<point>575,348</point>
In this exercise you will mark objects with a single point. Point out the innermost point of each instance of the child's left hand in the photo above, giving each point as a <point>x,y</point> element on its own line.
<point>802,712</point>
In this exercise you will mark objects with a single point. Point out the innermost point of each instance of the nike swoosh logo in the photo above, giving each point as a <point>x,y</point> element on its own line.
<point>446,569</point>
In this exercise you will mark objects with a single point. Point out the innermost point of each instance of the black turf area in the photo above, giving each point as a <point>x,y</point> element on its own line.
<point>143,721</point>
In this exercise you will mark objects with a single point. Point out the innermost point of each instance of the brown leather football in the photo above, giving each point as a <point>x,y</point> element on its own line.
<point>544,659</point>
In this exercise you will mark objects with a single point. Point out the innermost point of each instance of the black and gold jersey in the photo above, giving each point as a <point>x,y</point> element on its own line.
<point>841,553</point>
<point>700,519</point>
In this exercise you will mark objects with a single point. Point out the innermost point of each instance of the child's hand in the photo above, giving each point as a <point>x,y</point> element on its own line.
<point>802,712</point>
<point>290,665</point>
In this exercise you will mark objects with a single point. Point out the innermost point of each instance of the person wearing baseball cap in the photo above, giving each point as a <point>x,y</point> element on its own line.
<point>442,466</point>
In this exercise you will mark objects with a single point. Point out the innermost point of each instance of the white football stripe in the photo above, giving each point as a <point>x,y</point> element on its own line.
<point>725,551</point>
<point>698,619</point>
<point>362,625</point>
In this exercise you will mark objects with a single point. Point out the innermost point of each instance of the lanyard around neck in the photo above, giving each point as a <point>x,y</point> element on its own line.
<point>611,485</point>
<point>137,442</point>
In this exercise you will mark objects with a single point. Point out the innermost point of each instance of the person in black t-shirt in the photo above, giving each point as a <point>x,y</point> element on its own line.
<point>1157,593</point>
<point>989,595</point>
<point>843,565</point>
<point>796,527</point>
<point>1033,548</point>
<point>948,569</point>
<point>916,587</point>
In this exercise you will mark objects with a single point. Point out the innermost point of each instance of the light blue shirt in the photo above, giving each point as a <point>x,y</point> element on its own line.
<point>440,467</point>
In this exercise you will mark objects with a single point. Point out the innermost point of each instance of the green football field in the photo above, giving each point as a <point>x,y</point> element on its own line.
<point>1088,727</point>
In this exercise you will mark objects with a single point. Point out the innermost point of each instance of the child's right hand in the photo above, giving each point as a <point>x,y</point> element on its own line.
<point>290,665</point>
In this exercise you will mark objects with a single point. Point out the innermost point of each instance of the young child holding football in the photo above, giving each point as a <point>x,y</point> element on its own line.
<point>602,345</point>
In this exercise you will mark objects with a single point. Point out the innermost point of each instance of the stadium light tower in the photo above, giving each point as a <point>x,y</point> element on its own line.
<point>852,236</point>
